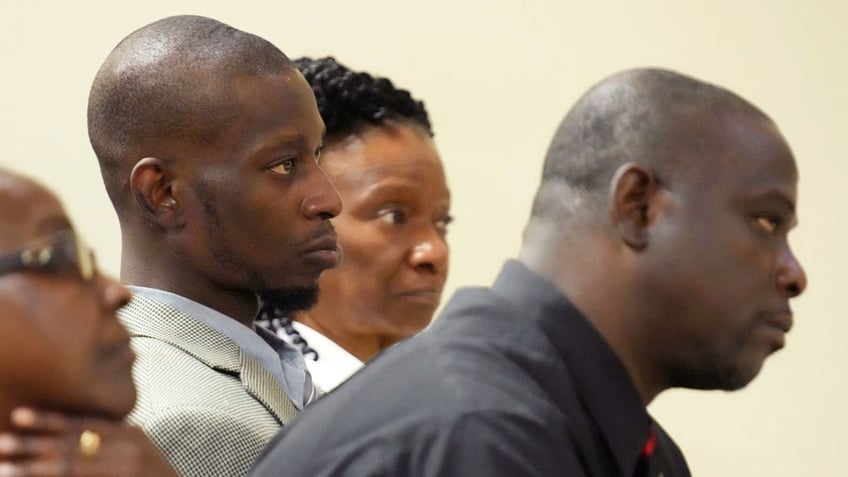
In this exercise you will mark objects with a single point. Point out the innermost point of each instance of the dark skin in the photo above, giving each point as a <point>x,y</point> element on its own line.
<point>45,445</point>
<point>393,232</point>
<point>89,381</point>
<point>92,375</point>
<point>246,213</point>
<point>687,276</point>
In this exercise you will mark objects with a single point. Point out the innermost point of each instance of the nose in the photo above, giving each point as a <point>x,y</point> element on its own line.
<point>322,201</point>
<point>113,294</point>
<point>791,278</point>
<point>430,252</point>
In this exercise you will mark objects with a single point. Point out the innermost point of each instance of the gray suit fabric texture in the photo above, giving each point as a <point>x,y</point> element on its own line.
<point>208,406</point>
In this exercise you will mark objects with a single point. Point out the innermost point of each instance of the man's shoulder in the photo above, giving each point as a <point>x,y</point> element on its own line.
<point>195,414</point>
<point>478,355</point>
<point>203,440</point>
<point>453,442</point>
<point>168,377</point>
<point>146,317</point>
<point>442,376</point>
<point>164,364</point>
<point>480,379</point>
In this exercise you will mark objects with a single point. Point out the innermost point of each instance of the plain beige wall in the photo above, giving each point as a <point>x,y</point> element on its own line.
<point>497,76</point>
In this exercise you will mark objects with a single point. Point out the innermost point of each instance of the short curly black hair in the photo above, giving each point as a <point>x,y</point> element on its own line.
<point>349,100</point>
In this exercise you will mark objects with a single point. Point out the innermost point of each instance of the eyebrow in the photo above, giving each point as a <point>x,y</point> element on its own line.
<point>774,195</point>
<point>274,142</point>
<point>53,224</point>
<point>783,200</point>
<point>788,203</point>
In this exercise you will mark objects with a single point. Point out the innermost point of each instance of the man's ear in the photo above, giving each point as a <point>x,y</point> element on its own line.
<point>154,193</point>
<point>632,203</point>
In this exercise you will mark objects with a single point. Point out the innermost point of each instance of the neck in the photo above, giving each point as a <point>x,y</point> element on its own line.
<point>634,362</point>
<point>589,273</point>
<point>141,269</point>
<point>364,347</point>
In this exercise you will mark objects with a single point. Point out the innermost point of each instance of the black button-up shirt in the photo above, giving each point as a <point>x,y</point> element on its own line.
<point>510,380</point>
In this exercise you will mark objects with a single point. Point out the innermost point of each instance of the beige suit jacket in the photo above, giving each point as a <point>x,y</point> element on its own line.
<point>208,406</point>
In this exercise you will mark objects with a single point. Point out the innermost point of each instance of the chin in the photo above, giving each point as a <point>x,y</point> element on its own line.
<point>291,299</point>
<point>728,379</point>
<point>413,323</point>
<point>724,376</point>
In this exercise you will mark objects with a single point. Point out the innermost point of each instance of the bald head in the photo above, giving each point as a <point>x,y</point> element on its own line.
<point>168,84</point>
<point>663,215</point>
<point>632,116</point>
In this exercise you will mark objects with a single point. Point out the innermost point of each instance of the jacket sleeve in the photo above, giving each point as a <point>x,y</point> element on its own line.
<point>202,442</point>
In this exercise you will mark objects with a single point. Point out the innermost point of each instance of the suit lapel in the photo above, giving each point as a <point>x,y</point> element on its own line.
<point>265,389</point>
<point>150,318</point>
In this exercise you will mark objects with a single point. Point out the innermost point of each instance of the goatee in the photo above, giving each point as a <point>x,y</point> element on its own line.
<point>289,300</point>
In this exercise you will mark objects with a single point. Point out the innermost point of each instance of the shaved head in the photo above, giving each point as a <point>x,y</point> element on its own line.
<point>167,83</point>
<point>663,214</point>
<point>631,116</point>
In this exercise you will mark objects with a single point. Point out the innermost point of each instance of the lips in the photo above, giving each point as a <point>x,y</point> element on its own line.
<point>323,250</point>
<point>781,320</point>
<point>777,324</point>
<point>430,296</point>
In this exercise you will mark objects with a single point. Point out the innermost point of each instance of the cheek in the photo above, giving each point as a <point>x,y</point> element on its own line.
<point>736,269</point>
<point>69,314</point>
<point>719,285</point>
<point>371,248</point>
<point>717,259</point>
<point>58,354</point>
<point>368,264</point>
<point>369,268</point>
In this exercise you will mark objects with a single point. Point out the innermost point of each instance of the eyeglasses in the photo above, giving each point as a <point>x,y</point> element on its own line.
<point>64,249</point>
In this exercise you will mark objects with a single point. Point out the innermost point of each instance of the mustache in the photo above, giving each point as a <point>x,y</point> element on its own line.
<point>322,231</point>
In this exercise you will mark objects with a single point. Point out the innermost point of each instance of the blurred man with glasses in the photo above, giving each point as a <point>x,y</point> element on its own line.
<point>65,360</point>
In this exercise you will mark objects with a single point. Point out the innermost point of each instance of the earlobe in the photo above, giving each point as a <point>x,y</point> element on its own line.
<point>631,193</point>
<point>153,192</point>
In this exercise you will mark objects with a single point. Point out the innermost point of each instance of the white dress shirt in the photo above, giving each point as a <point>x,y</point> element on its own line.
<point>333,365</point>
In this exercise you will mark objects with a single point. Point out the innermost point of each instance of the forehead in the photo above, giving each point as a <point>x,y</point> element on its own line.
<point>262,113</point>
<point>375,154</point>
<point>27,211</point>
<point>739,155</point>
<point>283,100</point>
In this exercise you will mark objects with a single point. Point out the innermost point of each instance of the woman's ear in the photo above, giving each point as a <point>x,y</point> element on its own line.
<point>632,202</point>
<point>153,191</point>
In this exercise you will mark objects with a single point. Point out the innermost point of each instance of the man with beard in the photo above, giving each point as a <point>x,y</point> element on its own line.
<point>208,140</point>
<point>656,256</point>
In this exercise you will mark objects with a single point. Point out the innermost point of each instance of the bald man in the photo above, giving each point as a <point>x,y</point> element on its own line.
<point>208,140</point>
<point>656,256</point>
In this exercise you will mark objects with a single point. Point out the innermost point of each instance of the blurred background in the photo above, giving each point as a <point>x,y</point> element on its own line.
<point>497,76</point>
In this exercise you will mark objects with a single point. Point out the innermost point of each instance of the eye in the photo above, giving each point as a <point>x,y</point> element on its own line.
<point>283,168</point>
<point>442,224</point>
<point>770,223</point>
<point>392,216</point>
<point>318,153</point>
